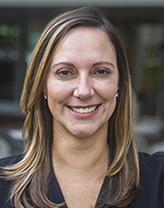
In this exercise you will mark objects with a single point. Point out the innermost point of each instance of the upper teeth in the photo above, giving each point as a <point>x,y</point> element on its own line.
<point>84,110</point>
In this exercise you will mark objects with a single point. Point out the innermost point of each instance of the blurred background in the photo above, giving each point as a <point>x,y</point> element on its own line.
<point>140,24</point>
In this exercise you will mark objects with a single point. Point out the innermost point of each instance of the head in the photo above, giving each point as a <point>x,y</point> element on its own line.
<point>32,97</point>
<point>38,125</point>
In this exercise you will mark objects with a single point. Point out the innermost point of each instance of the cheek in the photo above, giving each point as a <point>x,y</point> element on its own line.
<point>54,96</point>
<point>53,88</point>
<point>57,92</point>
<point>107,91</point>
<point>110,103</point>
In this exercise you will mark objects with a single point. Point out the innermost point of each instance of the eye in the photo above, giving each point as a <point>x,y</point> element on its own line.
<point>64,73</point>
<point>102,72</point>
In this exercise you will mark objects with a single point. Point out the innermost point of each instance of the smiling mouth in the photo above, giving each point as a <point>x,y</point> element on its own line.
<point>84,110</point>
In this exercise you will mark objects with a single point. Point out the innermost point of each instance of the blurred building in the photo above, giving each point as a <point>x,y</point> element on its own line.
<point>141,26</point>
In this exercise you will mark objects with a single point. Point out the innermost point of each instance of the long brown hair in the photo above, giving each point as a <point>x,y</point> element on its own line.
<point>33,172</point>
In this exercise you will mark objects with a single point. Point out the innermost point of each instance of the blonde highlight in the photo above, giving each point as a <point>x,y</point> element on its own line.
<point>33,172</point>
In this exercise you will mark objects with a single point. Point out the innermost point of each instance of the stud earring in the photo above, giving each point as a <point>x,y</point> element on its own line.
<point>45,97</point>
<point>117,95</point>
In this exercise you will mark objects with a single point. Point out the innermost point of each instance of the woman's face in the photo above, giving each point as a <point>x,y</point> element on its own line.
<point>82,82</point>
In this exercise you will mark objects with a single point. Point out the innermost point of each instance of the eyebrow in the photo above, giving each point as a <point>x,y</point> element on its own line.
<point>95,64</point>
<point>64,63</point>
<point>104,62</point>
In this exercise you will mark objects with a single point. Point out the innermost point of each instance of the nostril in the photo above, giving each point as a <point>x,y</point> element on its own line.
<point>84,87</point>
<point>83,93</point>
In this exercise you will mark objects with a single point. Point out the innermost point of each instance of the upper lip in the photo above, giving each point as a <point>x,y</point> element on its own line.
<point>80,106</point>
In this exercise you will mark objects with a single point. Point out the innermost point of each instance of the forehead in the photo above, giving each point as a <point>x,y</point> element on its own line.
<point>85,33</point>
<point>85,40</point>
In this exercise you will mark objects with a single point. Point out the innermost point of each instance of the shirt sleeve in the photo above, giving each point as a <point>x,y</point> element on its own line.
<point>5,185</point>
<point>161,188</point>
<point>151,191</point>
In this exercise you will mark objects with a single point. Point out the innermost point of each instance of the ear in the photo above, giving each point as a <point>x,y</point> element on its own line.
<point>45,90</point>
<point>117,88</point>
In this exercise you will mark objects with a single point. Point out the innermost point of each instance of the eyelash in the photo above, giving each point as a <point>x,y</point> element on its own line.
<point>106,72</point>
<point>66,73</point>
<point>62,73</point>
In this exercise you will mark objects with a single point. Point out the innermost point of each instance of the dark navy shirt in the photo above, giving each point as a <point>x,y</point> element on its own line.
<point>150,194</point>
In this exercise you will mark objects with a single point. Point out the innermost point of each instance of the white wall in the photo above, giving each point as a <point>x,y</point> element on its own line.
<point>115,3</point>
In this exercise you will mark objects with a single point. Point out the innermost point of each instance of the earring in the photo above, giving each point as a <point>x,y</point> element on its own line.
<point>45,97</point>
<point>117,95</point>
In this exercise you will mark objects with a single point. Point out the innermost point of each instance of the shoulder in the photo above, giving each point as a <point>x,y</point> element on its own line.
<point>152,179</point>
<point>146,156</point>
<point>155,160</point>
<point>5,185</point>
<point>151,166</point>
<point>151,191</point>
<point>10,160</point>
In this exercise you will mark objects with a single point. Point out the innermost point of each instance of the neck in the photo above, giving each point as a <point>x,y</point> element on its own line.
<point>81,154</point>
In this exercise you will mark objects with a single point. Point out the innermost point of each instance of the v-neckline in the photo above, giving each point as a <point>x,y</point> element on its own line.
<point>55,194</point>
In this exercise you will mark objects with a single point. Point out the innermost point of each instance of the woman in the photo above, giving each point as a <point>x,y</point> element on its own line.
<point>79,141</point>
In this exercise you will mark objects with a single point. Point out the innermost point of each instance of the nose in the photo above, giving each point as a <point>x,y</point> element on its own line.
<point>84,88</point>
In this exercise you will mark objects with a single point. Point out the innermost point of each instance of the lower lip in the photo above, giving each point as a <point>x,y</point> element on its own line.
<point>83,115</point>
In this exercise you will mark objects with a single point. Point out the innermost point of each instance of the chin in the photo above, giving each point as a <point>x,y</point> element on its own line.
<point>83,133</point>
